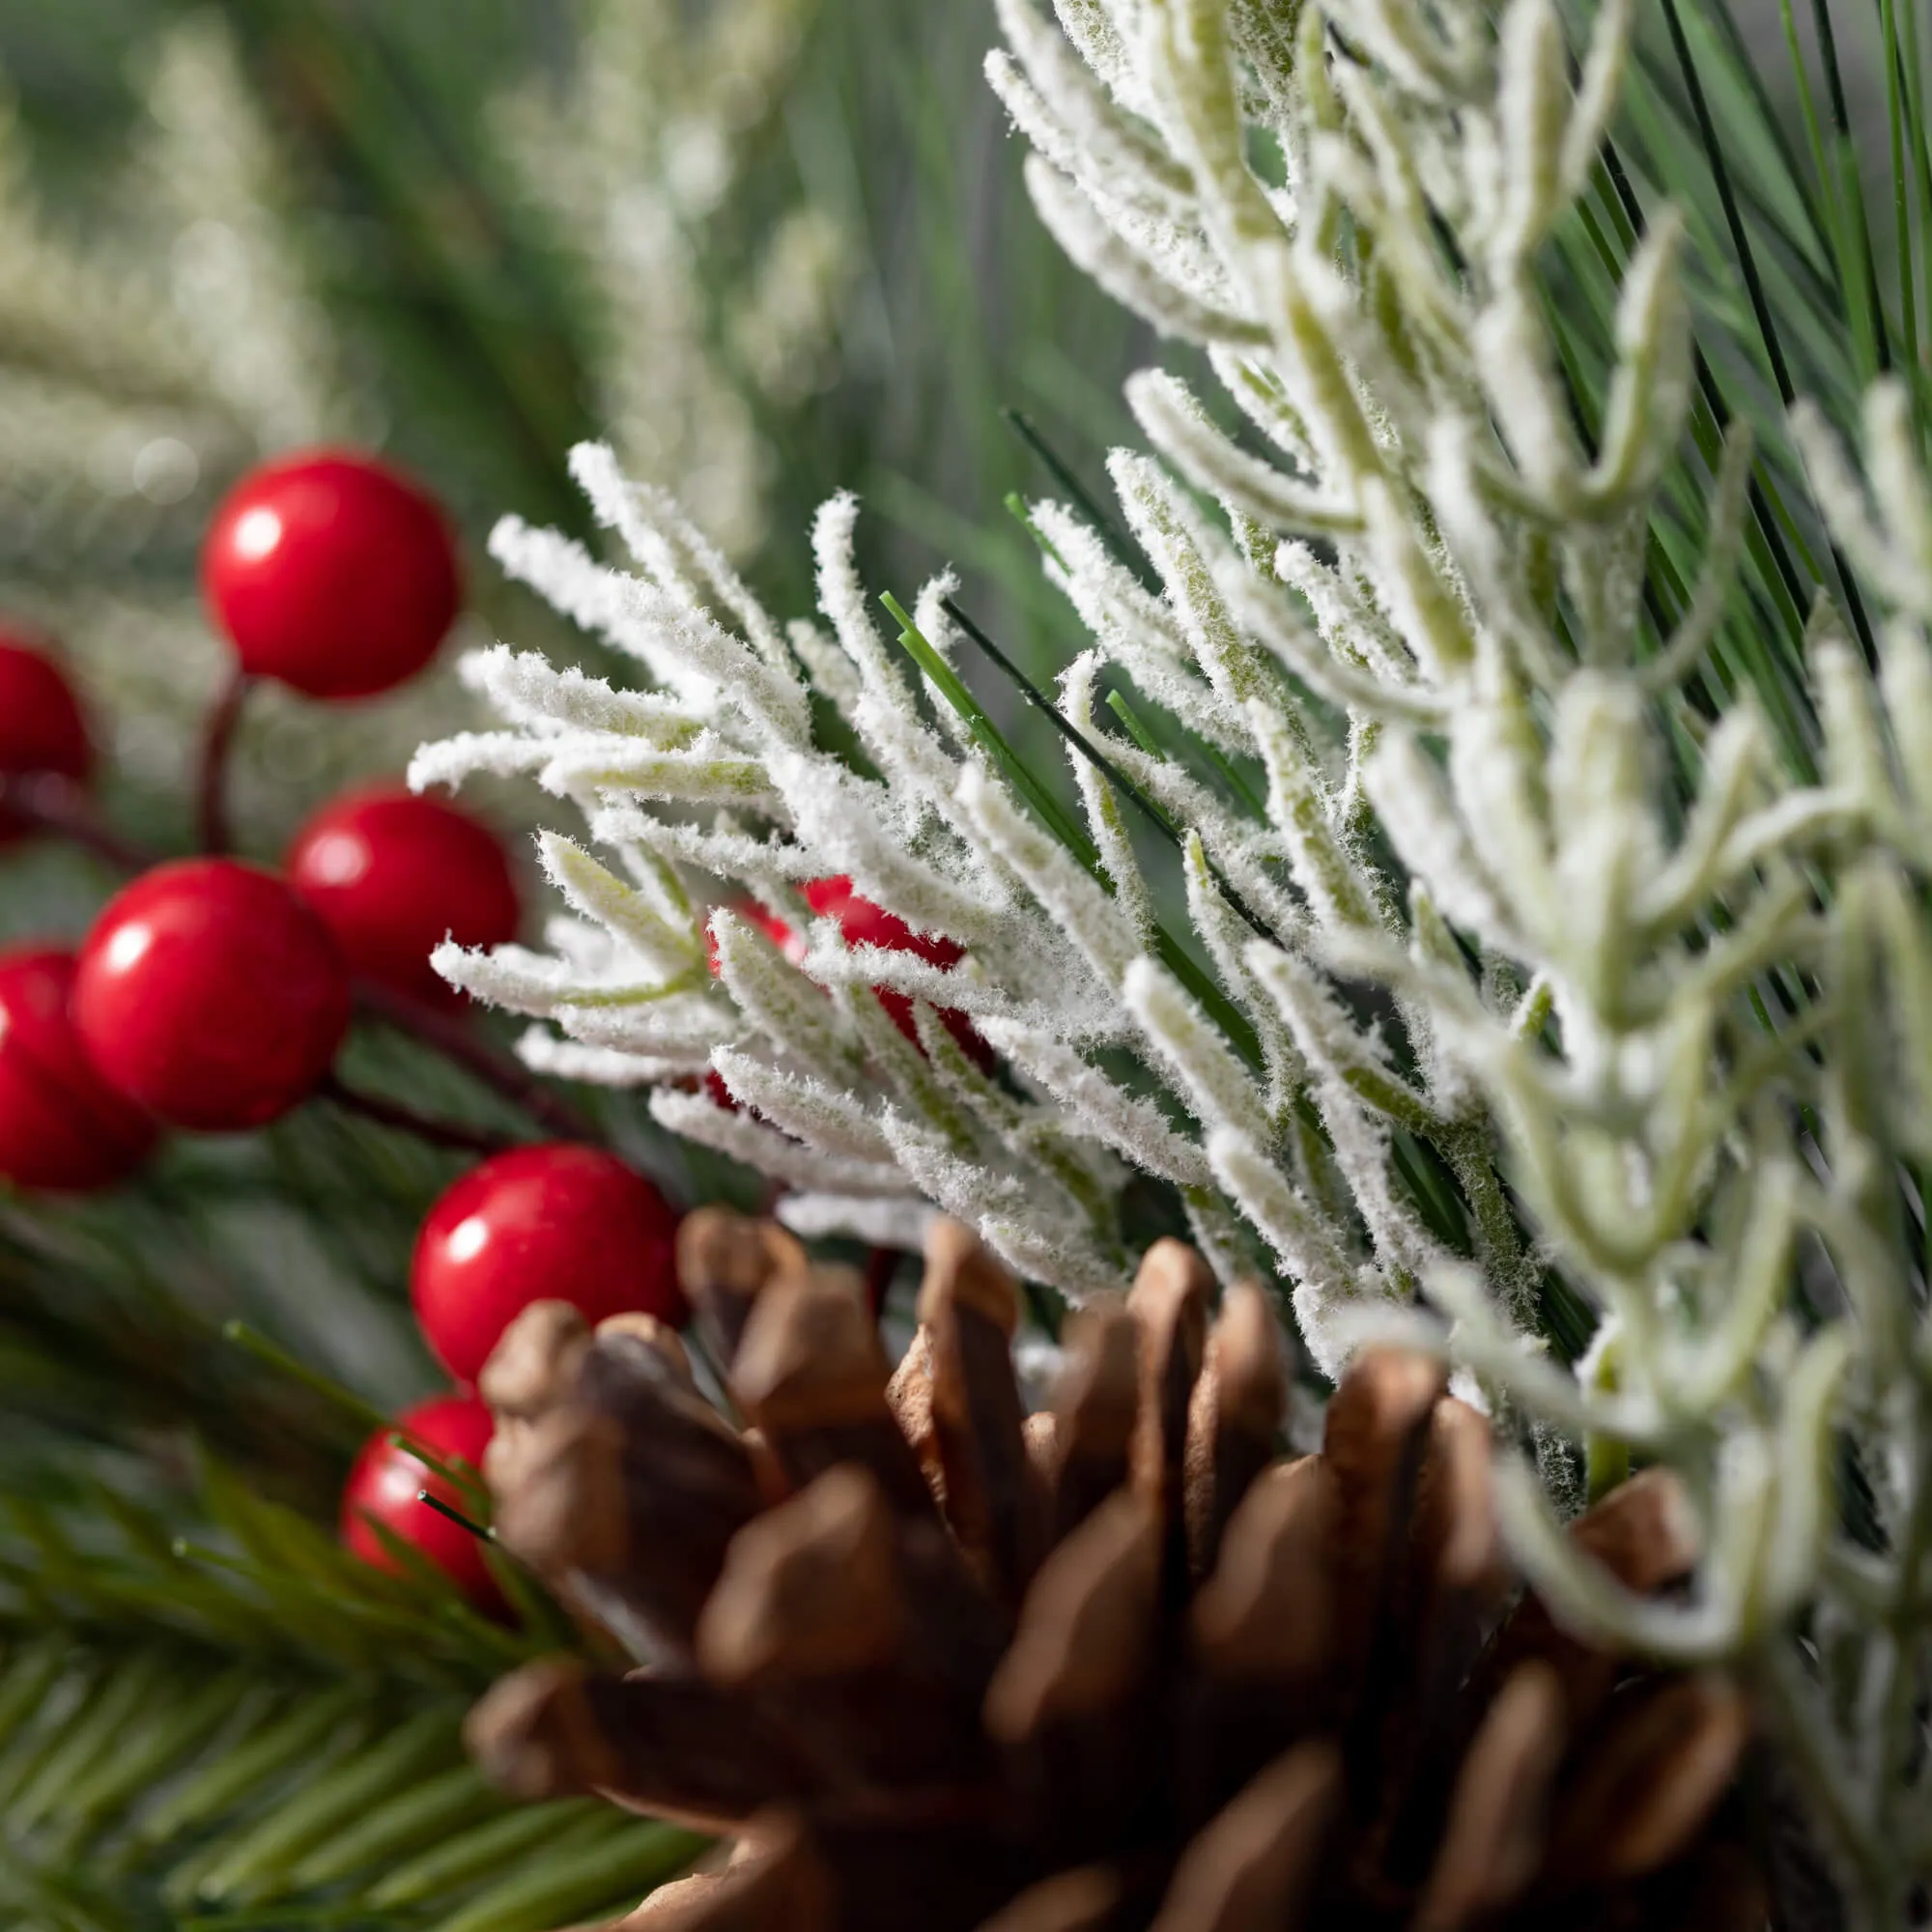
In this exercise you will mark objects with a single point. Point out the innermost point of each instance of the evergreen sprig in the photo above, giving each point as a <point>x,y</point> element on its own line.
<point>122,1652</point>
<point>1475,533</point>
<point>245,1726</point>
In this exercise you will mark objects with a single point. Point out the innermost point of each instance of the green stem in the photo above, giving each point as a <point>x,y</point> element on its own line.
<point>1766,325</point>
<point>278,1358</point>
<point>1901,186</point>
<point>987,734</point>
<point>218,741</point>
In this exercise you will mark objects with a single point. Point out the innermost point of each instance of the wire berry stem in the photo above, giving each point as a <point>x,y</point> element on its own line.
<point>218,741</point>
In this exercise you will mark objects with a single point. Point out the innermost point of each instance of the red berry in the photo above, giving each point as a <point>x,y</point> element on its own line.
<point>393,875</point>
<point>211,994</point>
<point>385,1481</point>
<point>41,728</point>
<point>554,1223</point>
<point>865,923</point>
<point>331,572</point>
<point>61,1124</point>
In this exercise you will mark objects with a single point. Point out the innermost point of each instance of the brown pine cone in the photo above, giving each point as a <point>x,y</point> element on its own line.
<point>939,1666</point>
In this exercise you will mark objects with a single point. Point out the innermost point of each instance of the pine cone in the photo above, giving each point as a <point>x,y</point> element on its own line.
<point>941,1665</point>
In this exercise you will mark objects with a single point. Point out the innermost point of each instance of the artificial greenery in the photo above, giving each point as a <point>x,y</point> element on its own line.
<point>1357,1120</point>
<point>1549,965</point>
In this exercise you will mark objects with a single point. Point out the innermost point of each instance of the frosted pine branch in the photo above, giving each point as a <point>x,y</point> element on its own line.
<point>1485,1027</point>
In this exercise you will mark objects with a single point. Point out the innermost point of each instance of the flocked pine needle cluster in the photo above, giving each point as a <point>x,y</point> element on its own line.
<point>1480,1029</point>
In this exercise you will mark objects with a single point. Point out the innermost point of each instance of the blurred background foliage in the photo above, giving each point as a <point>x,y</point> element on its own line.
<point>454,188</point>
<point>771,247</point>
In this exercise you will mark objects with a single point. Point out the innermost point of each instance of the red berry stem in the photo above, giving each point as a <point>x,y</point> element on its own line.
<point>60,806</point>
<point>53,804</point>
<point>217,738</point>
<point>387,1113</point>
<point>502,1072</point>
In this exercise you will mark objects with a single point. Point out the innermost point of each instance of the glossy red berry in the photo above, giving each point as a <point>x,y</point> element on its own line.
<point>208,993</point>
<point>333,572</point>
<point>387,1479</point>
<point>393,875</point>
<point>560,1222</point>
<point>60,1126</point>
<point>42,726</point>
<point>867,924</point>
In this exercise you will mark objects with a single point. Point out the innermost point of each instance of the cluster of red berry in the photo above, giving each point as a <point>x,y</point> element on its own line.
<point>562,1223</point>
<point>558,1222</point>
<point>213,995</point>
<point>861,923</point>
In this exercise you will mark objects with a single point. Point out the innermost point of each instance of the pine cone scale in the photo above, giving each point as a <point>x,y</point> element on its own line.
<point>1224,1692</point>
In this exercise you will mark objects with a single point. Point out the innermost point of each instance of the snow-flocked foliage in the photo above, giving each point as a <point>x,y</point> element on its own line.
<point>1490,1024</point>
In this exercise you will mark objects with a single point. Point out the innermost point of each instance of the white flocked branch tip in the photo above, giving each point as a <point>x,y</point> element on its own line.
<point>1416,810</point>
<point>697,1117</point>
<point>879,1221</point>
<point>1599,90</point>
<point>1087,117</point>
<point>1805,1453</point>
<point>1133,1126</point>
<point>1076,904</point>
<point>1586,1600</point>
<point>571,581</point>
<point>1688,644</point>
<point>1106,815</point>
<point>543,1052</point>
<point>782,1003</point>
<point>1127,273</point>
<point>1903,487</point>
<point>1906,683</point>
<point>1178,426</point>
<point>1325,1284</point>
<point>1532,119</point>
<point>525,688</point>
<point>1862,525</point>
<point>448,761</point>
<point>814,1111</point>
<point>1481,1338</point>
<point>591,888</point>
<point>675,550</point>
<point>1650,391</point>
<point>1218,1091</point>
<point>527,982</point>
